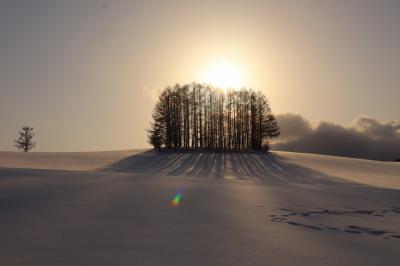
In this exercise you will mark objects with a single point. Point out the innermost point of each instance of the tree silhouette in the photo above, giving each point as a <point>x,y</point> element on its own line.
<point>24,141</point>
<point>196,116</point>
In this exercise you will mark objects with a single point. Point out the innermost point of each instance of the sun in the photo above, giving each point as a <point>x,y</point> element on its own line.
<point>223,75</point>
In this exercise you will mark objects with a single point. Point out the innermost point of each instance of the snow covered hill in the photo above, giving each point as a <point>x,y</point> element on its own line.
<point>140,207</point>
<point>276,166</point>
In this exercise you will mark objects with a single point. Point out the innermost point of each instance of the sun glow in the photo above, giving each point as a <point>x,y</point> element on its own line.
<point>224,75</point>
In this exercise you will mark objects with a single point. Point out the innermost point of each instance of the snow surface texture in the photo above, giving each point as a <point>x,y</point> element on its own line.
<point>114,208</point>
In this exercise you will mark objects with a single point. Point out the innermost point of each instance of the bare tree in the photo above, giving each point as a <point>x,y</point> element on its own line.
<point>24,141</point>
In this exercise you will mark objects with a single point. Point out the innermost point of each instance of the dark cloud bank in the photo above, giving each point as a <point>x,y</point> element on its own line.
<point>365,138</point>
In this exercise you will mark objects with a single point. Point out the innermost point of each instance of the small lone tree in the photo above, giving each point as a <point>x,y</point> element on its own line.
<point>24,142</point>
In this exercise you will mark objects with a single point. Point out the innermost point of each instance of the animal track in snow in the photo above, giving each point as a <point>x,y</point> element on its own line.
<point>287,215</point>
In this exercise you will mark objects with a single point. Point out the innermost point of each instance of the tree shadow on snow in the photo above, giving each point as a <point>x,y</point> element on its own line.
<point>221,164</point>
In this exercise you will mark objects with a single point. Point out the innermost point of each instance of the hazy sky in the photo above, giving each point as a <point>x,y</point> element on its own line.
<point>85,73</point>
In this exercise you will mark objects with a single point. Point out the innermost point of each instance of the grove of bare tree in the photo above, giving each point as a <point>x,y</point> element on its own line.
<point>197,116</point>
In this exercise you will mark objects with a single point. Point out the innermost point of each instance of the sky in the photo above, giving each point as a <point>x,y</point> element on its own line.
<point>86,73</point>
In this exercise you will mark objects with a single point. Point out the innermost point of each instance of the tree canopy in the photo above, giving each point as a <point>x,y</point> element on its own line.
<point>197,116</point>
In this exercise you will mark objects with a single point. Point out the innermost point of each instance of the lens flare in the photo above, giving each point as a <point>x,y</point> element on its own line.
<point>176,199</point>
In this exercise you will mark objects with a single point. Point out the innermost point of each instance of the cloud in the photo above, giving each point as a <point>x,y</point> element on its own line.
<point>377,130</point>
<point>366,137</point>
<point>293,126</point>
